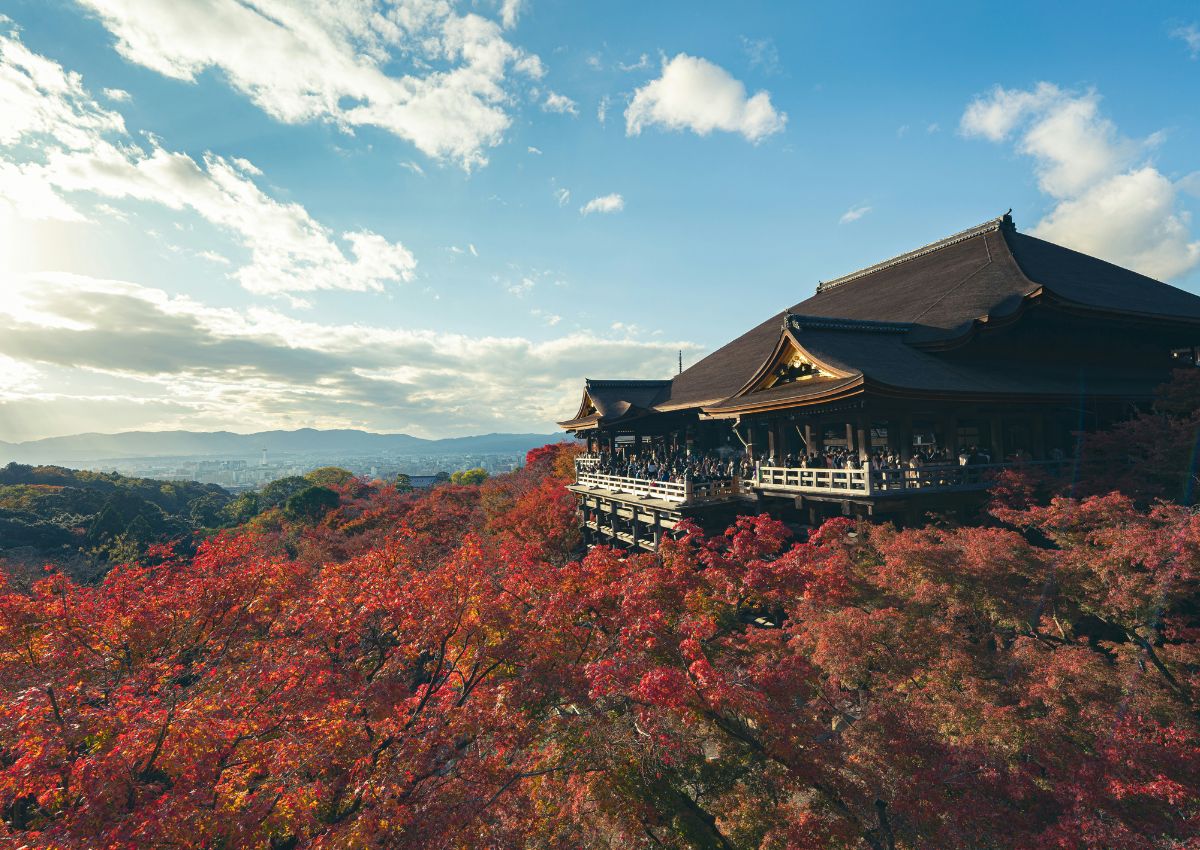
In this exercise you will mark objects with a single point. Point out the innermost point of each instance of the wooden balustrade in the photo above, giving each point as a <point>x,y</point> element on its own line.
<point>686,492</point>
<point>865,482</point>
<point>834,482</point>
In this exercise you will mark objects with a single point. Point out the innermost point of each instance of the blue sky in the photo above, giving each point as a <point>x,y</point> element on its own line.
<point>438,218</point>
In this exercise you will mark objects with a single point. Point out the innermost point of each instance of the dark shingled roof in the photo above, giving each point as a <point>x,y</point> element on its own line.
<point>616,400</point>
<point>939,292</point>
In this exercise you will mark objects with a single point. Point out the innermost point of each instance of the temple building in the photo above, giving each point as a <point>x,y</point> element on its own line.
<point>893,390</point>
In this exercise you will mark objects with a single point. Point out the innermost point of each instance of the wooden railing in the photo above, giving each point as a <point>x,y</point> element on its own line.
<point>851,481</point>
<point>833,482</point>
<point>586,461</point>
<point>685,492</point>
<point>864,482</point>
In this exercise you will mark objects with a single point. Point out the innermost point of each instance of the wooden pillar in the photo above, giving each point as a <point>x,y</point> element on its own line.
<point>905,435</point>
<point>808,437</point>
<point>996,426</point>
<point>951,426</point>
<point>633,528</point>
<point>1039,437</point>
<point>657,530</point>
<point>864,442</point>
<point>849,436</point>
<point>773,443</point>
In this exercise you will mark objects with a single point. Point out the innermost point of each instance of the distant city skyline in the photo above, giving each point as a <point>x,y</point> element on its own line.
<point>437,218</point>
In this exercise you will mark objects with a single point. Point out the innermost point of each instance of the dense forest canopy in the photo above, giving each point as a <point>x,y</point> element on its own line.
<point>383,668</point>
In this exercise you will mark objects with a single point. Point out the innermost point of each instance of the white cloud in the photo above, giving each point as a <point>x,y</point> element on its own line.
<point>602,110</point>
<point>510,12</point>
<point>694,94</point>
<point>521,288</point>
<point>603,204</point>
<point>1110,202</point>
<point>414,167</point>
<point>57,142</point>
<point>563,196</point>
<point>854,214</point>
<point>549,318</point>
<point>214,257</point>
<point>1190,36</point>
<point>471,248</point>
<point>119,95</point>
<point>560,103</point>
<point>332,61</point>
<point>1132,216</point>
<point>641,64</point>
<point>535,151</point>
<point>144,358</point>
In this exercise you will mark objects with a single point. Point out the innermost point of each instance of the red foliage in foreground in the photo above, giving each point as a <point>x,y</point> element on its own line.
<point>449,678</point>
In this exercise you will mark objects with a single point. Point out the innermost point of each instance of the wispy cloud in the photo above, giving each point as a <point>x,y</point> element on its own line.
<point>298,63</point>
<point>57,143</point>
<point>1190,36</point>
<point>603,204</point>
<point>560,103</point>
<point>155,359</point>
<point>854,213</point>
<point>762,54</point>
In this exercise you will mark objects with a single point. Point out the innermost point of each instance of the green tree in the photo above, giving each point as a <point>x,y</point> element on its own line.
<point>205,512</point>
<point>330,476</point>
<point>469,476</point>
<point>311,504</point>
<point>404,483</point>
<point>282,489</point>
<point>242,509</point>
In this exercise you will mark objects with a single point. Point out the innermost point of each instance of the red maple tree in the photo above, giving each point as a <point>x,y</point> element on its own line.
<point>438,671</point>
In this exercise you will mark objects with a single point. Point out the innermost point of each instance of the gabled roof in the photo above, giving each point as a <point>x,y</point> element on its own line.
<point>933,297</point>
<point>609,401</point>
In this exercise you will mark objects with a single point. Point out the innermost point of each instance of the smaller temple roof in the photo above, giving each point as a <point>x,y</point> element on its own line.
<point>606,402</point>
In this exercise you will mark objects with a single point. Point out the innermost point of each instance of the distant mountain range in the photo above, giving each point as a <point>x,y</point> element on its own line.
<point>140,444</point>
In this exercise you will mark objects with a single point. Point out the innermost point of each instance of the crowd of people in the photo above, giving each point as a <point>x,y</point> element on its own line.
<point>658,464</point>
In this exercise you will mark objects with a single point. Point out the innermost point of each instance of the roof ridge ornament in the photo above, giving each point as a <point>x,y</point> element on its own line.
<point>800,322</point>
<point>1003,222</point>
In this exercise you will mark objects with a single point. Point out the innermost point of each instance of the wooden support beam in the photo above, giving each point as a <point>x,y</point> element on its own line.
<point>996,425</point>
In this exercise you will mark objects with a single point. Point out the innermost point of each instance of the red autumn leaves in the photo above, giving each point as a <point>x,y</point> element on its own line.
<point>435,671</point>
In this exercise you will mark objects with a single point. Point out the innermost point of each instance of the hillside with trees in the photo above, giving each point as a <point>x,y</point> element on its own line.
<point>446,669</point>
<point>84,521</point>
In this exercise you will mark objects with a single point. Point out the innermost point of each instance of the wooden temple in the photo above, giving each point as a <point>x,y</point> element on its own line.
<point>989,338</point>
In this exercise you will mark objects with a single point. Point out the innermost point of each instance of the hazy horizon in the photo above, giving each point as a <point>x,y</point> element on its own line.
<point>276,430</point>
